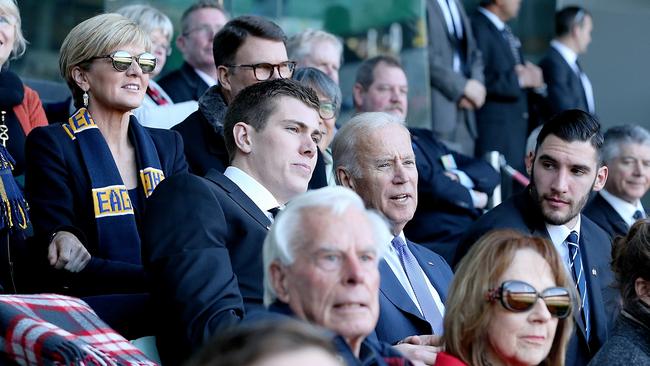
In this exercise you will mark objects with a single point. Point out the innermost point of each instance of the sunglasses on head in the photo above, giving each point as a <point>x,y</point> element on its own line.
<point>518,297</point>
<point>122,60</point>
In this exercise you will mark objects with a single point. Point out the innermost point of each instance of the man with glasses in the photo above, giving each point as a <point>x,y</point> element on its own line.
<point>247,50</point>
<point>566,168</point>
<point>199,23</point>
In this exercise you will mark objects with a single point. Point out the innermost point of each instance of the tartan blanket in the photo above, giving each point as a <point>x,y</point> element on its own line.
<point>47,329</point>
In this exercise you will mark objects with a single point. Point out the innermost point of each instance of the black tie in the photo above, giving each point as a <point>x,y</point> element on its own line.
<point>274,211</point>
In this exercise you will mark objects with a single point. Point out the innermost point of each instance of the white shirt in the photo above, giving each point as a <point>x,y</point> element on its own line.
<point>205,77</point>
<point>623,208</point>
<point>153,115</point>
<point>392,258</point>
<point>453,20</point>
<point>261,196</point>
<point>558,234</point>
<point>571,57</point>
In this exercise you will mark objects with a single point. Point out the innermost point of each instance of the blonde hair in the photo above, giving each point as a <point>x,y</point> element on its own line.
<point>9,7</point>
<point>96,37</point>
<point>149,19</point>
<point>467,313</point>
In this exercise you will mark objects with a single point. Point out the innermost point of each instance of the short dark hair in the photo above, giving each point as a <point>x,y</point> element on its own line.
<point>248,344</point>
<point>365,76</point>
<point>631,259</point>
<point>255,103</point>
<point>233,34</point>
<point>200,4</point>
<point>567,18</point>
<point>573,125</point>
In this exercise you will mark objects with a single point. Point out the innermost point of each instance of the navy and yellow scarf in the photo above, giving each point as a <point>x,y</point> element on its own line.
<point>13,208</point>
<point>116,227</point>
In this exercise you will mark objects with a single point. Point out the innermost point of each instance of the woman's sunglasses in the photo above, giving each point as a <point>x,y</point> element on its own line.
<point>122,60</point>
<point>518,296</point>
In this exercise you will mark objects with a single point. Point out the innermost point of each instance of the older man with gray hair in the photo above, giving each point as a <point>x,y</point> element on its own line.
<point>626,152</point>
<point>318,49</point>
<point>320,265</point>
<point>373,155</point>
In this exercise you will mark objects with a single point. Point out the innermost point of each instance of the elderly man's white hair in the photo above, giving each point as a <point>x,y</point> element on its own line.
<point>299,46</point>
<point>284,236</point>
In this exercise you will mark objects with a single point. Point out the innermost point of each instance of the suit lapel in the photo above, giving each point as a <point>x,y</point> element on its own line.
<point>612,216</point>
<point>596,301</point>
<point>440,15</point>
<point>239,197</point>
<point>432,271</point>
<point>393,290</point>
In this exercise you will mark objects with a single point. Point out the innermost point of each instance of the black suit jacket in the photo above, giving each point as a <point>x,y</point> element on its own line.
<point>603,214</point>
<point>520,212</point>
<point>183,84</point>
<point>205,147</point>
<point>563,84</point>
<point>202,247</point>
<point>441,200</point>
<point>503,120</point>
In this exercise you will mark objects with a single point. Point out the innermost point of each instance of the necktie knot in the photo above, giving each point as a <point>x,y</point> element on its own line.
<point>638,215</point>
<point>398,243</point>
<point>572,238</point>
<point>274,211</point>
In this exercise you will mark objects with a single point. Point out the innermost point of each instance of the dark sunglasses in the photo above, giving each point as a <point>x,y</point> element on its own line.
<point>518,297</point>
<point>122,60</point>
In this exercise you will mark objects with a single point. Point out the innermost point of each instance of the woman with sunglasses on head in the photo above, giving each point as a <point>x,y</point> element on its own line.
<point>87,179</point>
<point>509,304</point>
<point>20,107</point>
<point>629,343</point>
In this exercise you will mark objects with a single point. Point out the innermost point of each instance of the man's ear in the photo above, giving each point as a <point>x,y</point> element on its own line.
<point>345,178</point>
<point>601,178</point>
<point>223,74</point>
<point>242,136</point>
<point>279,281</point>
<point>180,43</point>
<point>528,161</point>
<point>357,95</point>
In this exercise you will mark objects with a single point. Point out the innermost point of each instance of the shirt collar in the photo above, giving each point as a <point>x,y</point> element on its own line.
<point>493,18</point>
<point>625,209</point>
<point>205,77</point>
<point>567,54</point>
<point>559,233</point>
<point>252,188</point>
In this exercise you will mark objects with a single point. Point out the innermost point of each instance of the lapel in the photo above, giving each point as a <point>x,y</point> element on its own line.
<point>431,270</point>
<point>612,216</point>
<point>238,196</point>
<point>393,290</point>
<point>435,7</point>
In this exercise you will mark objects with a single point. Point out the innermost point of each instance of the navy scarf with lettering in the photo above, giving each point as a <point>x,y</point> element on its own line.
<point>116,226</point>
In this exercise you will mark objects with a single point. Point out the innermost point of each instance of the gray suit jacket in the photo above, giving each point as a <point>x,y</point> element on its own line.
<point>446,85</point>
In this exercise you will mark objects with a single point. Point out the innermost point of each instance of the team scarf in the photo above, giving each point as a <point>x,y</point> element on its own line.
<point>13,208</point>
<point>116,227</point>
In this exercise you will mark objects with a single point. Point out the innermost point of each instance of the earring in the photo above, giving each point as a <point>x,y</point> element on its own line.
<point>85,97</point>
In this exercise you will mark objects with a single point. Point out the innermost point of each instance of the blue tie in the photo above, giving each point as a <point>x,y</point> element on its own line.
<point>414,273</point>
<point>638,215</point>
<point>575,261</point>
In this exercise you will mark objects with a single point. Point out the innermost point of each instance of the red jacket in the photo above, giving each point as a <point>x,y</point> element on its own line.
<point>445,359</point>
<point>30,112</point>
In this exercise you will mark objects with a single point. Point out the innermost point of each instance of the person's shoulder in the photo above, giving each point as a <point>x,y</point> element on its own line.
<point>171,77</point>
<point>52,131</point>
<point>594,230</point>
<point>190,123</point>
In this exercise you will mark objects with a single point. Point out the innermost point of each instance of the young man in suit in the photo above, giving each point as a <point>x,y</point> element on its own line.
<point>626,153</point>
<point>453,188</point>
<point>566,168</point>
<point>374,157</point>
<point>456,72</point>
<point>199,23</point>
<point>568,85</point>
<point>203,236</point>
<point>508,79</point>
<point>247,50</point>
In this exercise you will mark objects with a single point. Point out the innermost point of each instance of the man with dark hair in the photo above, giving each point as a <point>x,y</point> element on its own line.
<point>203,236</point>
<point>199,23</point>
<point>566,168</point>
<point>568,85</point>
<point>626,152</point>
<point>247,50</point>
<point>453,188</point>
<point>456,73</point>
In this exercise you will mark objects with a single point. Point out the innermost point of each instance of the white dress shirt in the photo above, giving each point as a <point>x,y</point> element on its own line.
<point>392,258</point>
<point>571,57</point>
<point>558,234</point>
<point>623,208</point>
<point>150,114</point>
<point>261,196</point>
<point>205,77</point>
<point>454,26</point>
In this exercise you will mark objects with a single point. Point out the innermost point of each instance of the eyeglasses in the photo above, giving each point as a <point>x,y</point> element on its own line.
<point>327,110</point>
<point>518,297</point>
<point>122,60</point>
<point>264,71</point>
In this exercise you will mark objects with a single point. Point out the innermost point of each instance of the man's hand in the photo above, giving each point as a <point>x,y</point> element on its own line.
<point>530,75</point>
<point>475,92</point>
<point>480,199</point>
<point>66,252</point>
<point>420,349</point>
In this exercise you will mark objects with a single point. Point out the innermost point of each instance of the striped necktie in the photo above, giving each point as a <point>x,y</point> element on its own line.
<point>156,96</point>
<point>579,277</point>
<point>514,43</point>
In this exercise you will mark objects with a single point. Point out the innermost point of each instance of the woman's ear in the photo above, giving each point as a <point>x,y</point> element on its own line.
<point>80,77</point>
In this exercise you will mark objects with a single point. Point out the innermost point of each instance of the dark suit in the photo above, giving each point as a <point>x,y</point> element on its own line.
<point>205,147</point>
<point>183,84</point>
<point>603,214</point>
<point>441,200</point>
<point>399,317</point>
<point>202,248</point>
<point>564,87</point>
<point>503,120</point>
<point>520,212</point>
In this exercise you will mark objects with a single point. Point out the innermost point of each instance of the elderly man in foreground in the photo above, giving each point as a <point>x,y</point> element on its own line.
<point>321,261</point>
